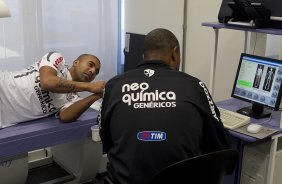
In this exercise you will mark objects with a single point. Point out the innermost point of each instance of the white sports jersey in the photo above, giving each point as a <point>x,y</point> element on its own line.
<point>21,97</point>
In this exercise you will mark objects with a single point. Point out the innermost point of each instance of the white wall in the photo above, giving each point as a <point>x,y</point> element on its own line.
<point>273,46</point>
<point>143,15</point>
<point>200,47</point>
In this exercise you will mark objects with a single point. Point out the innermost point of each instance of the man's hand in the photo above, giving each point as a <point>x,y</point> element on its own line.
<point>96,87</point>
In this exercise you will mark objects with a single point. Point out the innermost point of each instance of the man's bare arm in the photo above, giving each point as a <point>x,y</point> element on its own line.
<point>49,81</point>
<point>75,110</point>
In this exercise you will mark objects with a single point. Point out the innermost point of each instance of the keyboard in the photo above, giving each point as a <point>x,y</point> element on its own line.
<point>232,120</point>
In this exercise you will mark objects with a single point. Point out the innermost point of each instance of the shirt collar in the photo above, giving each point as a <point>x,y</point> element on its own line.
<point>153,63</point>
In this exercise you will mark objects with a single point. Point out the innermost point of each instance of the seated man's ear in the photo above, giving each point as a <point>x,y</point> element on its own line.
<point>175,58</point>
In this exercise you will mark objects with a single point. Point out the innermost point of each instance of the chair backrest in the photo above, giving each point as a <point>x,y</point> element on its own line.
<point>204,169</point>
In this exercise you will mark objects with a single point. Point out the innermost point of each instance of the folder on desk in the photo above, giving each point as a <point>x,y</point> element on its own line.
<point>265,132</point>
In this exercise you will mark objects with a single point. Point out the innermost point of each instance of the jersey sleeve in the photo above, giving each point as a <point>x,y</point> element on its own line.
<point>71,100</point>
<point>216,137</point>
<point>52,59</point>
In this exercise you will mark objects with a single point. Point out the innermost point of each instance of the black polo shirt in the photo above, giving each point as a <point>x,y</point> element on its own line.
<point>153,116</point>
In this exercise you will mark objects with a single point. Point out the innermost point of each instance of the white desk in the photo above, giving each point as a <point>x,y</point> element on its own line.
<point>216,26</point>
<point>233,105</point>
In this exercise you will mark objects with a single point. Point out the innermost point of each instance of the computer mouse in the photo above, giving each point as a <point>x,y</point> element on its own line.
<point>254,128</point>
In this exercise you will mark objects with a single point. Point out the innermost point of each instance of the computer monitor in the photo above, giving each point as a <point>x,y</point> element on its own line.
<point>133,51</point>
<point>258,81</point>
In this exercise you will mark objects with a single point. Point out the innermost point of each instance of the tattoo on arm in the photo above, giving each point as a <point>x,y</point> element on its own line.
<point>63,84</point>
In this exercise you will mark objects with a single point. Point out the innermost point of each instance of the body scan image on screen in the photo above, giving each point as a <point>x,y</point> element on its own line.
<point>258,81</point>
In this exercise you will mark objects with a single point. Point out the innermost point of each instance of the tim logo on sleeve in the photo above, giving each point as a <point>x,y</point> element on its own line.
<point>151,136</point>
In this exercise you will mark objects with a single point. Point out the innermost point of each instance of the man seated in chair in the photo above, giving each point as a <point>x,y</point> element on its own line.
<point>154,115</point>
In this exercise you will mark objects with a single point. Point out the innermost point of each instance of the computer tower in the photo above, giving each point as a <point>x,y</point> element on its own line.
<point>255,163</point>
<point>133,50</point>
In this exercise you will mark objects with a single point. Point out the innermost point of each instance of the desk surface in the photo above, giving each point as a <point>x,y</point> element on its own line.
<point>234,104</point>
<point>45,132</point>
<point>218,25</point>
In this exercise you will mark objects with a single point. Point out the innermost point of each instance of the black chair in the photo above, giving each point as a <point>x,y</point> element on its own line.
<point>205,169</point>
<point>107,180</point>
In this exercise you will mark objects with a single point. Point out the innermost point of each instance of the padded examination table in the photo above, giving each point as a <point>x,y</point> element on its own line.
<point>45,132</point>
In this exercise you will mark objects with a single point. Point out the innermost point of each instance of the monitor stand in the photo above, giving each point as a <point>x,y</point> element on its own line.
<point>255,111</point>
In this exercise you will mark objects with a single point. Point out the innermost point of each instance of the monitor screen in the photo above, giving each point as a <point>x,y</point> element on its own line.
<point>258,80</point>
